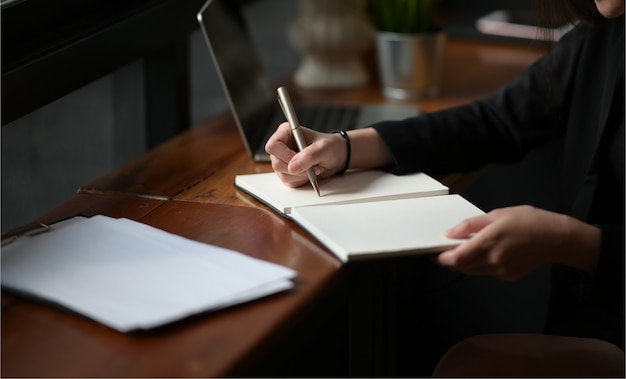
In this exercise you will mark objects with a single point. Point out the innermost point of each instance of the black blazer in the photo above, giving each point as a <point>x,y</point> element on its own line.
<point>575,93</point>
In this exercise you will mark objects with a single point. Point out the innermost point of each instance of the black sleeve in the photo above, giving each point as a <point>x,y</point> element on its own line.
<point>498,129</point>
<point>605,280</point>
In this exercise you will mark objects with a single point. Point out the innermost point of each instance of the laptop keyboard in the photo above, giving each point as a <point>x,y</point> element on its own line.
<point>323,118</point>
<point>328,118</point>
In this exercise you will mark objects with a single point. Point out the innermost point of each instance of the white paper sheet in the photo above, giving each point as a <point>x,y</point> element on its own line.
<point>128,275</point>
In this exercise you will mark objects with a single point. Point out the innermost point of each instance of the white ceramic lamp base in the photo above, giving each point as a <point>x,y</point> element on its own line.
<point>314,73</point>
<point>331,37</point>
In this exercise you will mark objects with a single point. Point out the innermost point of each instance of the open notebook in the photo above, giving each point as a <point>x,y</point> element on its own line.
<point>366,214</point>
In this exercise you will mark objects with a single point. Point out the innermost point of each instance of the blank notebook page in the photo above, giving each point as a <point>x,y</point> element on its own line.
<point>354,231</point>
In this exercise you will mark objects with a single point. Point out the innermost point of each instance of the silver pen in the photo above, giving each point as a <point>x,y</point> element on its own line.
<point>290,114</point>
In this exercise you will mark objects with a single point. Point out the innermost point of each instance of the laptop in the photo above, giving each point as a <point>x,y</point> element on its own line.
<point>252,99</point>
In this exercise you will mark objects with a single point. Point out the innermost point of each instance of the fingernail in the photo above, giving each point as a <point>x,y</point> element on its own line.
<point>451,231</point>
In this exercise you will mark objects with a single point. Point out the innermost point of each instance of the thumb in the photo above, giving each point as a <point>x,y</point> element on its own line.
<point>467,227</point>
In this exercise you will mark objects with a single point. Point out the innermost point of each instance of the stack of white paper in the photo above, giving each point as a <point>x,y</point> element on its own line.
<point>128,275</point>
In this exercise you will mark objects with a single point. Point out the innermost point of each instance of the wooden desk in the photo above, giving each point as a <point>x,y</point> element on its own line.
<point>185,186</point>
<point>42,341</point>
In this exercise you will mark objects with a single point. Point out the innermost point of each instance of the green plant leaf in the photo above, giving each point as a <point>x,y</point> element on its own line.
<point>402,16</point>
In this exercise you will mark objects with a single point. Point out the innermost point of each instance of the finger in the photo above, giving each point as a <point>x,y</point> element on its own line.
<point>305,160</point>
<point>292,180</point>
<point>457,259</point>
<point>470,267</point>
<point>478,267</point>
<point>473,250</point>
<point>278,165</point>
<point>469,226</point>
<point>280,169</point>
<point>280,143</point>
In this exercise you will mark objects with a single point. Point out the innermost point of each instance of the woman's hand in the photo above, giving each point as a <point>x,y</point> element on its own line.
<point>509,243</point>
<point>326,153</point>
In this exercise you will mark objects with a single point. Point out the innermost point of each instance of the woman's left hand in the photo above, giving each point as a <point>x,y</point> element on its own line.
<point>509,243</point>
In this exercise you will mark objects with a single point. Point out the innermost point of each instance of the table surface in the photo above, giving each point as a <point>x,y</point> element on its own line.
<point>185,186</point>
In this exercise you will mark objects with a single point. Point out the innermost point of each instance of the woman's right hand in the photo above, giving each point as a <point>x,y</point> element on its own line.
<point>326,154</point>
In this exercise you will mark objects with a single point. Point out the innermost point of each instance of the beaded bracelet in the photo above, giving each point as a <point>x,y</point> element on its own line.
<point>349,151</point>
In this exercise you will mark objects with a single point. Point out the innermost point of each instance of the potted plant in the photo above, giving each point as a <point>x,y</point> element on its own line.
<point>409,46</point>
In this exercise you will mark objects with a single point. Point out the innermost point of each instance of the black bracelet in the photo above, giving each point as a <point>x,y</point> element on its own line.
<point>349,151</point>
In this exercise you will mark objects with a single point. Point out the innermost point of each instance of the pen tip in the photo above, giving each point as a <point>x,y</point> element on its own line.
<point>317,189</point>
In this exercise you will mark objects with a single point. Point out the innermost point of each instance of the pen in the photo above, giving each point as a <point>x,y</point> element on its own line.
<point>290,114</point>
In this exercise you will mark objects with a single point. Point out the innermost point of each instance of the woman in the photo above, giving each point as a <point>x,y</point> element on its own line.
<point>576,94</point>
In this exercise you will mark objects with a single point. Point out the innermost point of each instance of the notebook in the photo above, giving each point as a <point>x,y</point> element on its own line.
<point>368,214</point>
<point>251,98</point>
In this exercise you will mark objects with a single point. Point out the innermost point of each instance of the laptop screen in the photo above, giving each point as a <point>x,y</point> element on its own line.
<point>239,68</point>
